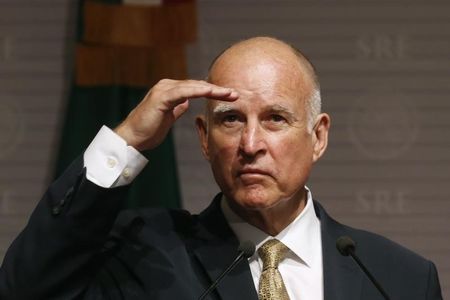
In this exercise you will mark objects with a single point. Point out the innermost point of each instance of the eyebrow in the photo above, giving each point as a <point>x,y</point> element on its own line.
<point>222,108</point>
<point>280,108</point>
<point>276,108</point>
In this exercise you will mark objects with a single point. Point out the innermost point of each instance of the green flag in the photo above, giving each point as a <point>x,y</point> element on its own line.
<point>112,76</point>
<point>90,108</point>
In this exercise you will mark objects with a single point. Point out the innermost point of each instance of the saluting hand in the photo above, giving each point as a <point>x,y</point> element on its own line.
<point>148,123</point>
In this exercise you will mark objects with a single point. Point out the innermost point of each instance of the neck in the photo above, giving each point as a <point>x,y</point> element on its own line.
<point>274,219</point>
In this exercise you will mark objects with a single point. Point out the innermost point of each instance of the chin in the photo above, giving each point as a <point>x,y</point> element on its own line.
<point>253,200</point>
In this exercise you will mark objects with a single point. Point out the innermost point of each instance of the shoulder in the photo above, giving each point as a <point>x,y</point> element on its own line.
<point>366,242</point>
<point>374,248</point>
<point>369,244</point>
<point>402,267</point>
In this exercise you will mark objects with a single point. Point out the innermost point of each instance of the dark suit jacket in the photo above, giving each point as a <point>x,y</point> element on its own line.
<point>77,245</point>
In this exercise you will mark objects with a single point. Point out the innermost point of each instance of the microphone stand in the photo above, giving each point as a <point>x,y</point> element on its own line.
<point>216,282</point>
<point>351,252</point>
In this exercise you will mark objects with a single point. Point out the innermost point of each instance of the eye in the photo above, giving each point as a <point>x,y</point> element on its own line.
<point>277,118</point>
<point>230,118</point>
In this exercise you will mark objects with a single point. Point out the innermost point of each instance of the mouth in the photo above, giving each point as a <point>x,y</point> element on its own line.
<point>252,173</point>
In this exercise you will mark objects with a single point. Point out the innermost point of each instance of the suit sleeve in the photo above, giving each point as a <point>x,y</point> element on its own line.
<point>59,252</point>
<point>434,288</point>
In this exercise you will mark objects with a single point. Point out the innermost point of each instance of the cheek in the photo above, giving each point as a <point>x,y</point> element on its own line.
<point>293,153</point>
<point>222,151</point>
<point>221,161</point>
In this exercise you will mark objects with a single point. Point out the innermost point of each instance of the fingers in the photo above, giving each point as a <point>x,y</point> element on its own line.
<point>175,92</point>
<point>169,84</point>
<point>147,125</point>
<point>180,109</point>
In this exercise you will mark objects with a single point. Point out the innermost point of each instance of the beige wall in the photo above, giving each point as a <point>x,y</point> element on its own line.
<point>385,73</point>
<point>34,36</point>
<point>384,68</point>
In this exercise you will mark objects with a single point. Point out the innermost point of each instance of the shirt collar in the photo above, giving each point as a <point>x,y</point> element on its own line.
<point>302,236</point>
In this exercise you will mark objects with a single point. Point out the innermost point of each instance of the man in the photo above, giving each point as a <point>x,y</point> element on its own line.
<point>262,133</point>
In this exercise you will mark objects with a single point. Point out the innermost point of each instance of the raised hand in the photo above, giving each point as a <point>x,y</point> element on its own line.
<point>148,123</point>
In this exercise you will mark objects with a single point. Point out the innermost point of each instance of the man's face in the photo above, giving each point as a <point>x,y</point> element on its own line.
<point>259,146</point>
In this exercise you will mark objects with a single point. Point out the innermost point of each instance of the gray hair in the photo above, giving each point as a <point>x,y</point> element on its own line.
<point>313,107</point>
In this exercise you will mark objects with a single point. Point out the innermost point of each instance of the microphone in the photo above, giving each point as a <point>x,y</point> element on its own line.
<point>346,247</point>
<point>245,250</point>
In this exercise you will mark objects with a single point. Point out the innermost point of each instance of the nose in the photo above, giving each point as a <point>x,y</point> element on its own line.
<point>252,140</point>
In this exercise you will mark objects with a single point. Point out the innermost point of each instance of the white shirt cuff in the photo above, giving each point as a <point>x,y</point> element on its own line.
<point>110,162</point>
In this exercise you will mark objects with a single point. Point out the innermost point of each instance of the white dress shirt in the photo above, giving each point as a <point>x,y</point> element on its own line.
<point>301,270</point>
<point>110,162</point>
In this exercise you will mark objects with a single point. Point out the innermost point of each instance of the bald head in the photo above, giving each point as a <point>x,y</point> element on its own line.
<point>265,53</point>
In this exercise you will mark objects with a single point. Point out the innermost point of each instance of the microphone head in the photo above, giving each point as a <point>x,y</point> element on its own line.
<point>345,245</point>
<point>247,248</point>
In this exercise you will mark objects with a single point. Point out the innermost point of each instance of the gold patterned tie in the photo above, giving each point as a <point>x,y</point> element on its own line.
<point>271,285</point>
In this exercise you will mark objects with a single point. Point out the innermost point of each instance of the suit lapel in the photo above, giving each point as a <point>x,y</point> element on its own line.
<point>342,278</point>
<point>216,247</point>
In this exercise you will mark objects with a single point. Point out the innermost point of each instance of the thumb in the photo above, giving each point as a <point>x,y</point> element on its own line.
<point>180,109</point>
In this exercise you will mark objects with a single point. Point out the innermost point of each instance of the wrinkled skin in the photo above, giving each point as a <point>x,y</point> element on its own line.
<point>255,134</point>
<point>259,146</point>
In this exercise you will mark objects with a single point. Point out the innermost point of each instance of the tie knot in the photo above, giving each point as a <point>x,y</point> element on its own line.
<point>272,253</point>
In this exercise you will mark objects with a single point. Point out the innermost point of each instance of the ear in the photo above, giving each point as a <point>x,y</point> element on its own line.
<point>202,130</point>
<point>320,135</point>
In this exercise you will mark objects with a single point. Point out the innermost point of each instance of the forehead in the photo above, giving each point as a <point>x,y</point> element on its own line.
<point>264,72</point>
<point>259,72</point>
<point>264,84</point>
<point>262,54</point>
